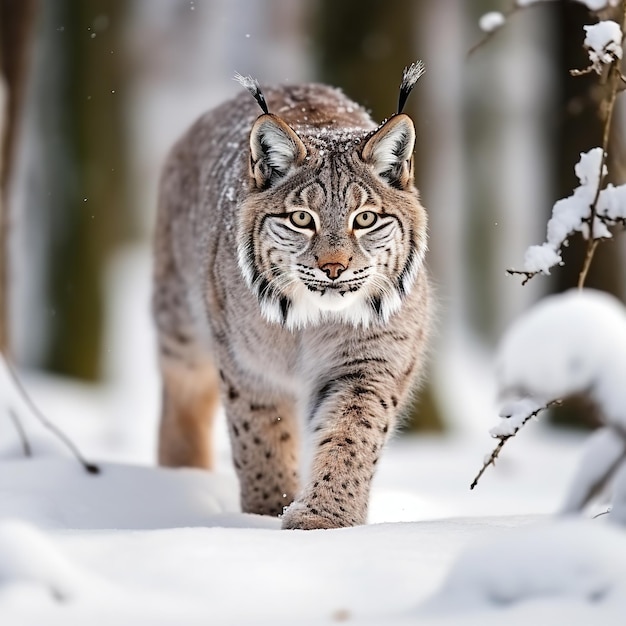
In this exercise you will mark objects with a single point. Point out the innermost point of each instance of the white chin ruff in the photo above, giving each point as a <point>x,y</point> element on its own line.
<point>330,301</point>
<point>308,309</point>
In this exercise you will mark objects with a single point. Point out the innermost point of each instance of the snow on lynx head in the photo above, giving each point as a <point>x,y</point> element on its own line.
<point>331,227</point>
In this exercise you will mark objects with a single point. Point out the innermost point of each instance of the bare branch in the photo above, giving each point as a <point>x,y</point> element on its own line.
<point>90,468</point>
<point>488,35</point>
<point>591,248</point>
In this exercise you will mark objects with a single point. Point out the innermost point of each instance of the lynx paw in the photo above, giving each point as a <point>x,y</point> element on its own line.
<point>299,516</point>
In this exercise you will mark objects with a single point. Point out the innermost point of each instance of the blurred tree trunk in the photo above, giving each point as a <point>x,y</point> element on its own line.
<point>17,19</point>
<point>90,208</point>
<point>362,48</point>
<point>580,127</point>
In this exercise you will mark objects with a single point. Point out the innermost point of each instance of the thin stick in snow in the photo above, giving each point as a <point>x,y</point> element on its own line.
<point>21,432</point>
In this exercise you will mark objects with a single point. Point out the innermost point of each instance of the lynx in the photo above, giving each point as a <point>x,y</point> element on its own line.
<point>290,285</point>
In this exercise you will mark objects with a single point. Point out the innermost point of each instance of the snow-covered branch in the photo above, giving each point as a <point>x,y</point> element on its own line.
<point>515,415</point>
<point>590,210</point>
<point>603,43</point>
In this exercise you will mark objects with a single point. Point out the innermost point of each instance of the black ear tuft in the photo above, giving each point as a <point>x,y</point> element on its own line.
<point>252,85</point>
<point>410,76</point>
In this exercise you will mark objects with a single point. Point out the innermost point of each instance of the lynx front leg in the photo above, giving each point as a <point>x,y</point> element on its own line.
<point>351,428</point>
<point>190,400</point>
<point>264,443</point>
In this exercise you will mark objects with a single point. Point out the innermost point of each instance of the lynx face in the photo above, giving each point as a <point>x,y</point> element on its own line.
<point>332,227</point>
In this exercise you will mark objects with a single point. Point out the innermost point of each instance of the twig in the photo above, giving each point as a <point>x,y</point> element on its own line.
<point>614,77</point>
<point>588,70</point>
<point>516,8</point>
<point>527,275</point>
<point>21,432</point>
<point>504,438</point>
<point>90,468</point>
<point>488,35</point>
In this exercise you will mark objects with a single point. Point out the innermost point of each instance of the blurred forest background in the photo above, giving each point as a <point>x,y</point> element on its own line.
<point>100,89</point>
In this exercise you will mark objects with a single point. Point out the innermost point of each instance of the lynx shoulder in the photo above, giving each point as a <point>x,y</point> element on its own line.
<point>289,286</point>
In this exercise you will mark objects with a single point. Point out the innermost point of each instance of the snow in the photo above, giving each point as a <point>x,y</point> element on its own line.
<point>516,413</point>
<point>602,455</point>
<point>191,561</point>
<point>541,258</point>
<point>29,558</point>
<point>581,562</point>
<point>491,21</point>
<point>123,496</point>
<point>618,509</point>
<point>598,5</point>
<point>603,42</point>
<point>143,545</point>
<point>612,203</point>
<point>592,5</point>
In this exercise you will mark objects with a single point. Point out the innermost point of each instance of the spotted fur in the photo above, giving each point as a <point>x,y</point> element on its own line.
<point>290,279</point>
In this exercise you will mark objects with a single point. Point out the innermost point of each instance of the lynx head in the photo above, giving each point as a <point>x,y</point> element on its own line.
<point>331,228</point>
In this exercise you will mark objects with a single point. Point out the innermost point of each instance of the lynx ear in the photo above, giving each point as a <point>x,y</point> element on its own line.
<point>390,151</point>
<point>275,150</point>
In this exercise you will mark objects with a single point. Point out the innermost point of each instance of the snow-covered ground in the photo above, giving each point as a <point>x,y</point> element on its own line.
<point>140,545</point>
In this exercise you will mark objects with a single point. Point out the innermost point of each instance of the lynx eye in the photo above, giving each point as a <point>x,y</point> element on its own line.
<point>365,219</point>
<point>302,219</point>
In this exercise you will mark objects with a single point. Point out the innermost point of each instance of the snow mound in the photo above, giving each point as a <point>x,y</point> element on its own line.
<point>571,559</point>
<point>569,343</point>
<point>58,493</point>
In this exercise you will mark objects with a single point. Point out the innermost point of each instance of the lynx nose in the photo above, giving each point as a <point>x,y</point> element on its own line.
<point>333,270</point>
